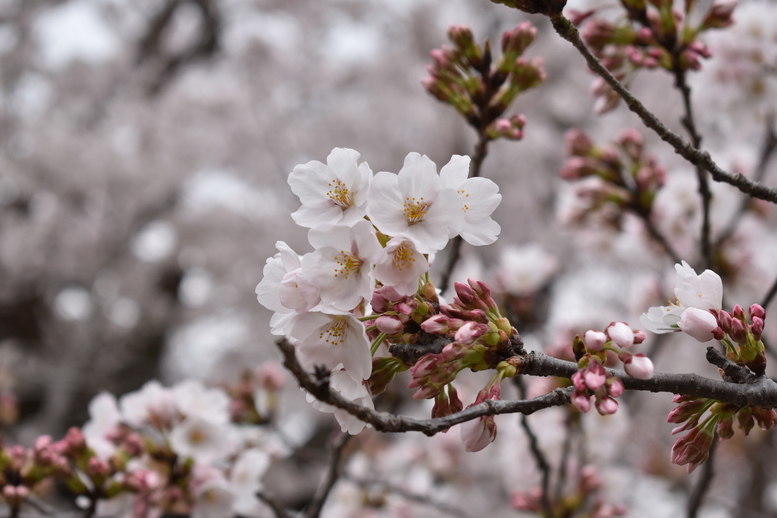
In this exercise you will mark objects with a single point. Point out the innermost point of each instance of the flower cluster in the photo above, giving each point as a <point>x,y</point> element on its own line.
<point>372,237</point>
<point>154,451</point>
<point>593,379</point>
<point>653,35</point>
<point>481,90</point>
<point>612,179</point>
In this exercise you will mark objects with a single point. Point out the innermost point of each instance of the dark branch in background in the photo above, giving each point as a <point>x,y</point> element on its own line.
<point>762,392</point>
<point>701,174</point>
<point>767,151</point>
<point>769,295</point>
<point>332,474</point>
<point>537,453</point>
<point>206,44</point>
<point>276,507</point>
<point>659,237</point>
<point>566,30</point>
<point>704,482</point>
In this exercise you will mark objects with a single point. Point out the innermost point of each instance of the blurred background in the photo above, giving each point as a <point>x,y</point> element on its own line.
<point>144,150</point>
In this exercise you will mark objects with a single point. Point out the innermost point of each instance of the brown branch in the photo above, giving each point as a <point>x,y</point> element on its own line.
<point>276,507</point>
<point>762,392</point>
<point>701,174</point>
<point>566,30</point>
<point>385,422</point>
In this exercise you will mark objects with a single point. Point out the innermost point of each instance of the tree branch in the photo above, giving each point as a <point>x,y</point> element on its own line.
<point>762,392</point>
<point>566,30</point>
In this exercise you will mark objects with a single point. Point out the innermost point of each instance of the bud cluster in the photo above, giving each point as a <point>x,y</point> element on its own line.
<point>741,337</point>
<point>702,417</point>
<point>654,34</point>
<point>592,379</point>
<point>616,178</point>
<point>466,77</point>
<point>584,497</point>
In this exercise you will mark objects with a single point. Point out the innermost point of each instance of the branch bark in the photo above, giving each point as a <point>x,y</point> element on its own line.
<point>566,30</point>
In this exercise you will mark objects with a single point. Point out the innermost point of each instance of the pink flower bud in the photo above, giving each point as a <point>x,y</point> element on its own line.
<point>621,334</point>
<point>756,310</point>
<point>470,331</point>
<point>738,312</point>
<point>639,336</point>
<point>614,387</point>
<point>577,143</point>
<point>738,332</point>
<point>724,320</point>
<point>594,340</point>
<point>606,406</point>
<point>594,375</point>
<point>436,325</point>
<point>578,381</point>
<point>389,325</point>
<point>698,323</point>
<point>478,433</point>
<point>639,367</point>
<point>581,401</point>
<point>757,328</point>
<point>270,376</point>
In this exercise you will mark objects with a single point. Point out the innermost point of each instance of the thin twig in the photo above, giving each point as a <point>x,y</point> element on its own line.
<point>701,174</point>
<point>332,474</point>
<point>566,30</point>
<point>769,295</point>
<point>704,482</point>
<point>537,453</point>
<point>276,507</point>
<point>768,147</point>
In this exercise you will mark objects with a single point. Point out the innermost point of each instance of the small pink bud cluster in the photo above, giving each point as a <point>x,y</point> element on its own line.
<point>589,484</point>
<point>629,179</point>
<point>433,372</point>
<point>649,37</point>
<point>747,348</point>
<point>701,417</point>
<point>593,379</point>
<point>466,77</point>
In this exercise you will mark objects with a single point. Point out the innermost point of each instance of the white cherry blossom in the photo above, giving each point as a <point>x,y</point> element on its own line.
<point>478,198</point>
<point>401,265</point>
<point>700,292</point>
<point>341,267</point>
<point>285,289</point>
<point>332,340</point>
<point>414,202</point>
<point>245,480</point>
<point>194,399</point>
<point>201,439</point>
<point>334,193</point>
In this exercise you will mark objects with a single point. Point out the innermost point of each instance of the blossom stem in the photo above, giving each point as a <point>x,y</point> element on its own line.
<point>379,340</point>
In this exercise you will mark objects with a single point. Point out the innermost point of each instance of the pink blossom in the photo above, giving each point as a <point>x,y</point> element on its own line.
<point>594,340</point>
<point>621,334</point>
<point>698,323</point>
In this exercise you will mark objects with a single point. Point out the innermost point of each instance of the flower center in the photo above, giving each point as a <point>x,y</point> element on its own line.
<point>403,257</point>
<point>415,210</point>
<point>347,264</point>
<point>335,332</point>
<point>464,194</point>
<point>340,194</point>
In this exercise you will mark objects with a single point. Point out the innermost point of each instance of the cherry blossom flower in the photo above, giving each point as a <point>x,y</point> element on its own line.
<point>698,323</point>
<point>194,399</point>
<point>401,265</point>
<point>153,403</point>
<point>213,499</point>
<point>333,340</point>
<point>478,198</point>
<point>104,418</point>
<point>201,439</point>
<point>414,202</point>
<point>285,289</point>
<point>334,193</point>
<point>702,292</point>
<point>341,267</point>
<point>245,480</point>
